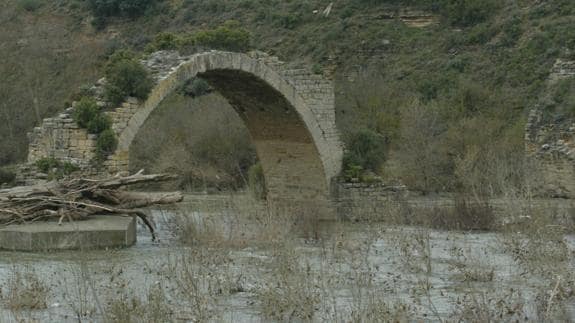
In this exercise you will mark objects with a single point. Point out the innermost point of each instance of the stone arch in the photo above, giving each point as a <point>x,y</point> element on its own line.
<point>290,115</point>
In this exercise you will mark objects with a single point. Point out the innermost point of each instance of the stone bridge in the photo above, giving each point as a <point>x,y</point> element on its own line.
<point>289,113</point>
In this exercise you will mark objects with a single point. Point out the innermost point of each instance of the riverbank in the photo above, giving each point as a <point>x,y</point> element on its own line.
<point>222,258</point>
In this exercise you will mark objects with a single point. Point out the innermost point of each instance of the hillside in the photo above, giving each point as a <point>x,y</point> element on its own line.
<point>434,94</point>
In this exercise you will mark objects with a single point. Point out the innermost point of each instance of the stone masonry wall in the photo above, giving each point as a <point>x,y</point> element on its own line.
<point>552,143</point>
<point>61,138</point>
<point>75,145</point>
<point>290,114</point>
<point>367,201</point>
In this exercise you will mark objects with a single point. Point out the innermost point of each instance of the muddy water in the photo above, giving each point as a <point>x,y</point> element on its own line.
<point>341,272</point>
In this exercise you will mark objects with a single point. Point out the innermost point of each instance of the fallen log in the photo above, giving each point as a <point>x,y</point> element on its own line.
<point>79,198</point>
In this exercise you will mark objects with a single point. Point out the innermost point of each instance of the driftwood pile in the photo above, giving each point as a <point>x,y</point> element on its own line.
<point>79,198</point>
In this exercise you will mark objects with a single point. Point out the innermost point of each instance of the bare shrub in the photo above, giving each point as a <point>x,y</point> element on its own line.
<point>25,291</point>
<point>123,309</point>
<point>127,309</point>
<point>414,249</point>
<point>469,267</point>
<point>379,310</point>
<point>193,229</point>
<point>234,222</point>
<point>479,307</point>
<point>202,275</point>
<point>551,299</point>
<point>423,166</point>
<point>292,294</point>
<point>537,243</point>
<point>81,295</point>
<point>459,213</point>
<point>464,215</point>
<point>257,181</point>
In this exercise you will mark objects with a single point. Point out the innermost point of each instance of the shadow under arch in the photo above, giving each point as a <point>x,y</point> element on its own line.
<point>296,142</point>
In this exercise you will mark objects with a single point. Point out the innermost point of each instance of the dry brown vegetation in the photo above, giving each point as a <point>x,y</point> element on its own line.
<point>182,137</point>
<point>231,248</point>
<point>24,291</point>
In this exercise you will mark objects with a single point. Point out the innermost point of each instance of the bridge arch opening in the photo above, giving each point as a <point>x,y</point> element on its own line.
<point>283,128</point>
<point>289,114</point>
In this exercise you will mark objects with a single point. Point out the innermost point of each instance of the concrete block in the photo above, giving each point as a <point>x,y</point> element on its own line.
<point>97,232</point>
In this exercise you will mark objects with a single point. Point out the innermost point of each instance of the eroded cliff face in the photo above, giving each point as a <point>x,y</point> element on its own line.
<point>550,140</point>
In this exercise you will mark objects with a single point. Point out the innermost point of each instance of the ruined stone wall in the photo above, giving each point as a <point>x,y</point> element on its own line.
<point>368,201</point>
<point>551,143</point>
<point>290,114</point>
<point>61,138</point>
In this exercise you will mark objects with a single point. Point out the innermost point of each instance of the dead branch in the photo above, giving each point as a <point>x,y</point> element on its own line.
<point>80,198</point>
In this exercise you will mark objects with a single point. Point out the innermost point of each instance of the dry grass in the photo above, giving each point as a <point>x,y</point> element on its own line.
<point>128,309</point>
<point>25,291</point>
<point>293,270</point>
<point>202,276</point>
<point>378,310</point>
<point>292,294</point>
<point>479,307</point>
<point>537,244</point>
<point>243,221</point>
<point>470,267</point>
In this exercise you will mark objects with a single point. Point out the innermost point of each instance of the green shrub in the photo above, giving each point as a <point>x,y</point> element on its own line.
<point>68,168</point>
<point>120,8</point>
<point>126,77</point>
<point>317,69</point>
<point>164,41</point>
<point>257,182</point>
<point>465,13</point>
<point>230,37</point>
<point>89,116</point>
<point>564,96</point>
<point>288,21</point>
<point>30,5</point>
<point>197,87</point>
<point>55,168</point>
<point>102,10</point>
<point>352,171</point>
<point>99,123</point>
<point>116,56</point>
<point>511,31</point>
<point>114,95</point>
<point>47,164</point>
<point>106,144</point>
<point>85,111</point>
<point>366,151</point>
<point>431,86</point>
<point>7,176</point>
<point>481,34</point>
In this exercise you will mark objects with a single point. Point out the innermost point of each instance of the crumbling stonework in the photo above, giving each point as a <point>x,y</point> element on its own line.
<point>63,139</point>
<point>289,113</point>
<point>551,143</point>
<point>368,201</point>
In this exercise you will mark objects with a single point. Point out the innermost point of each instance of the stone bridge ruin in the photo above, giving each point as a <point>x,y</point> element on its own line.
<point>289,114</point>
